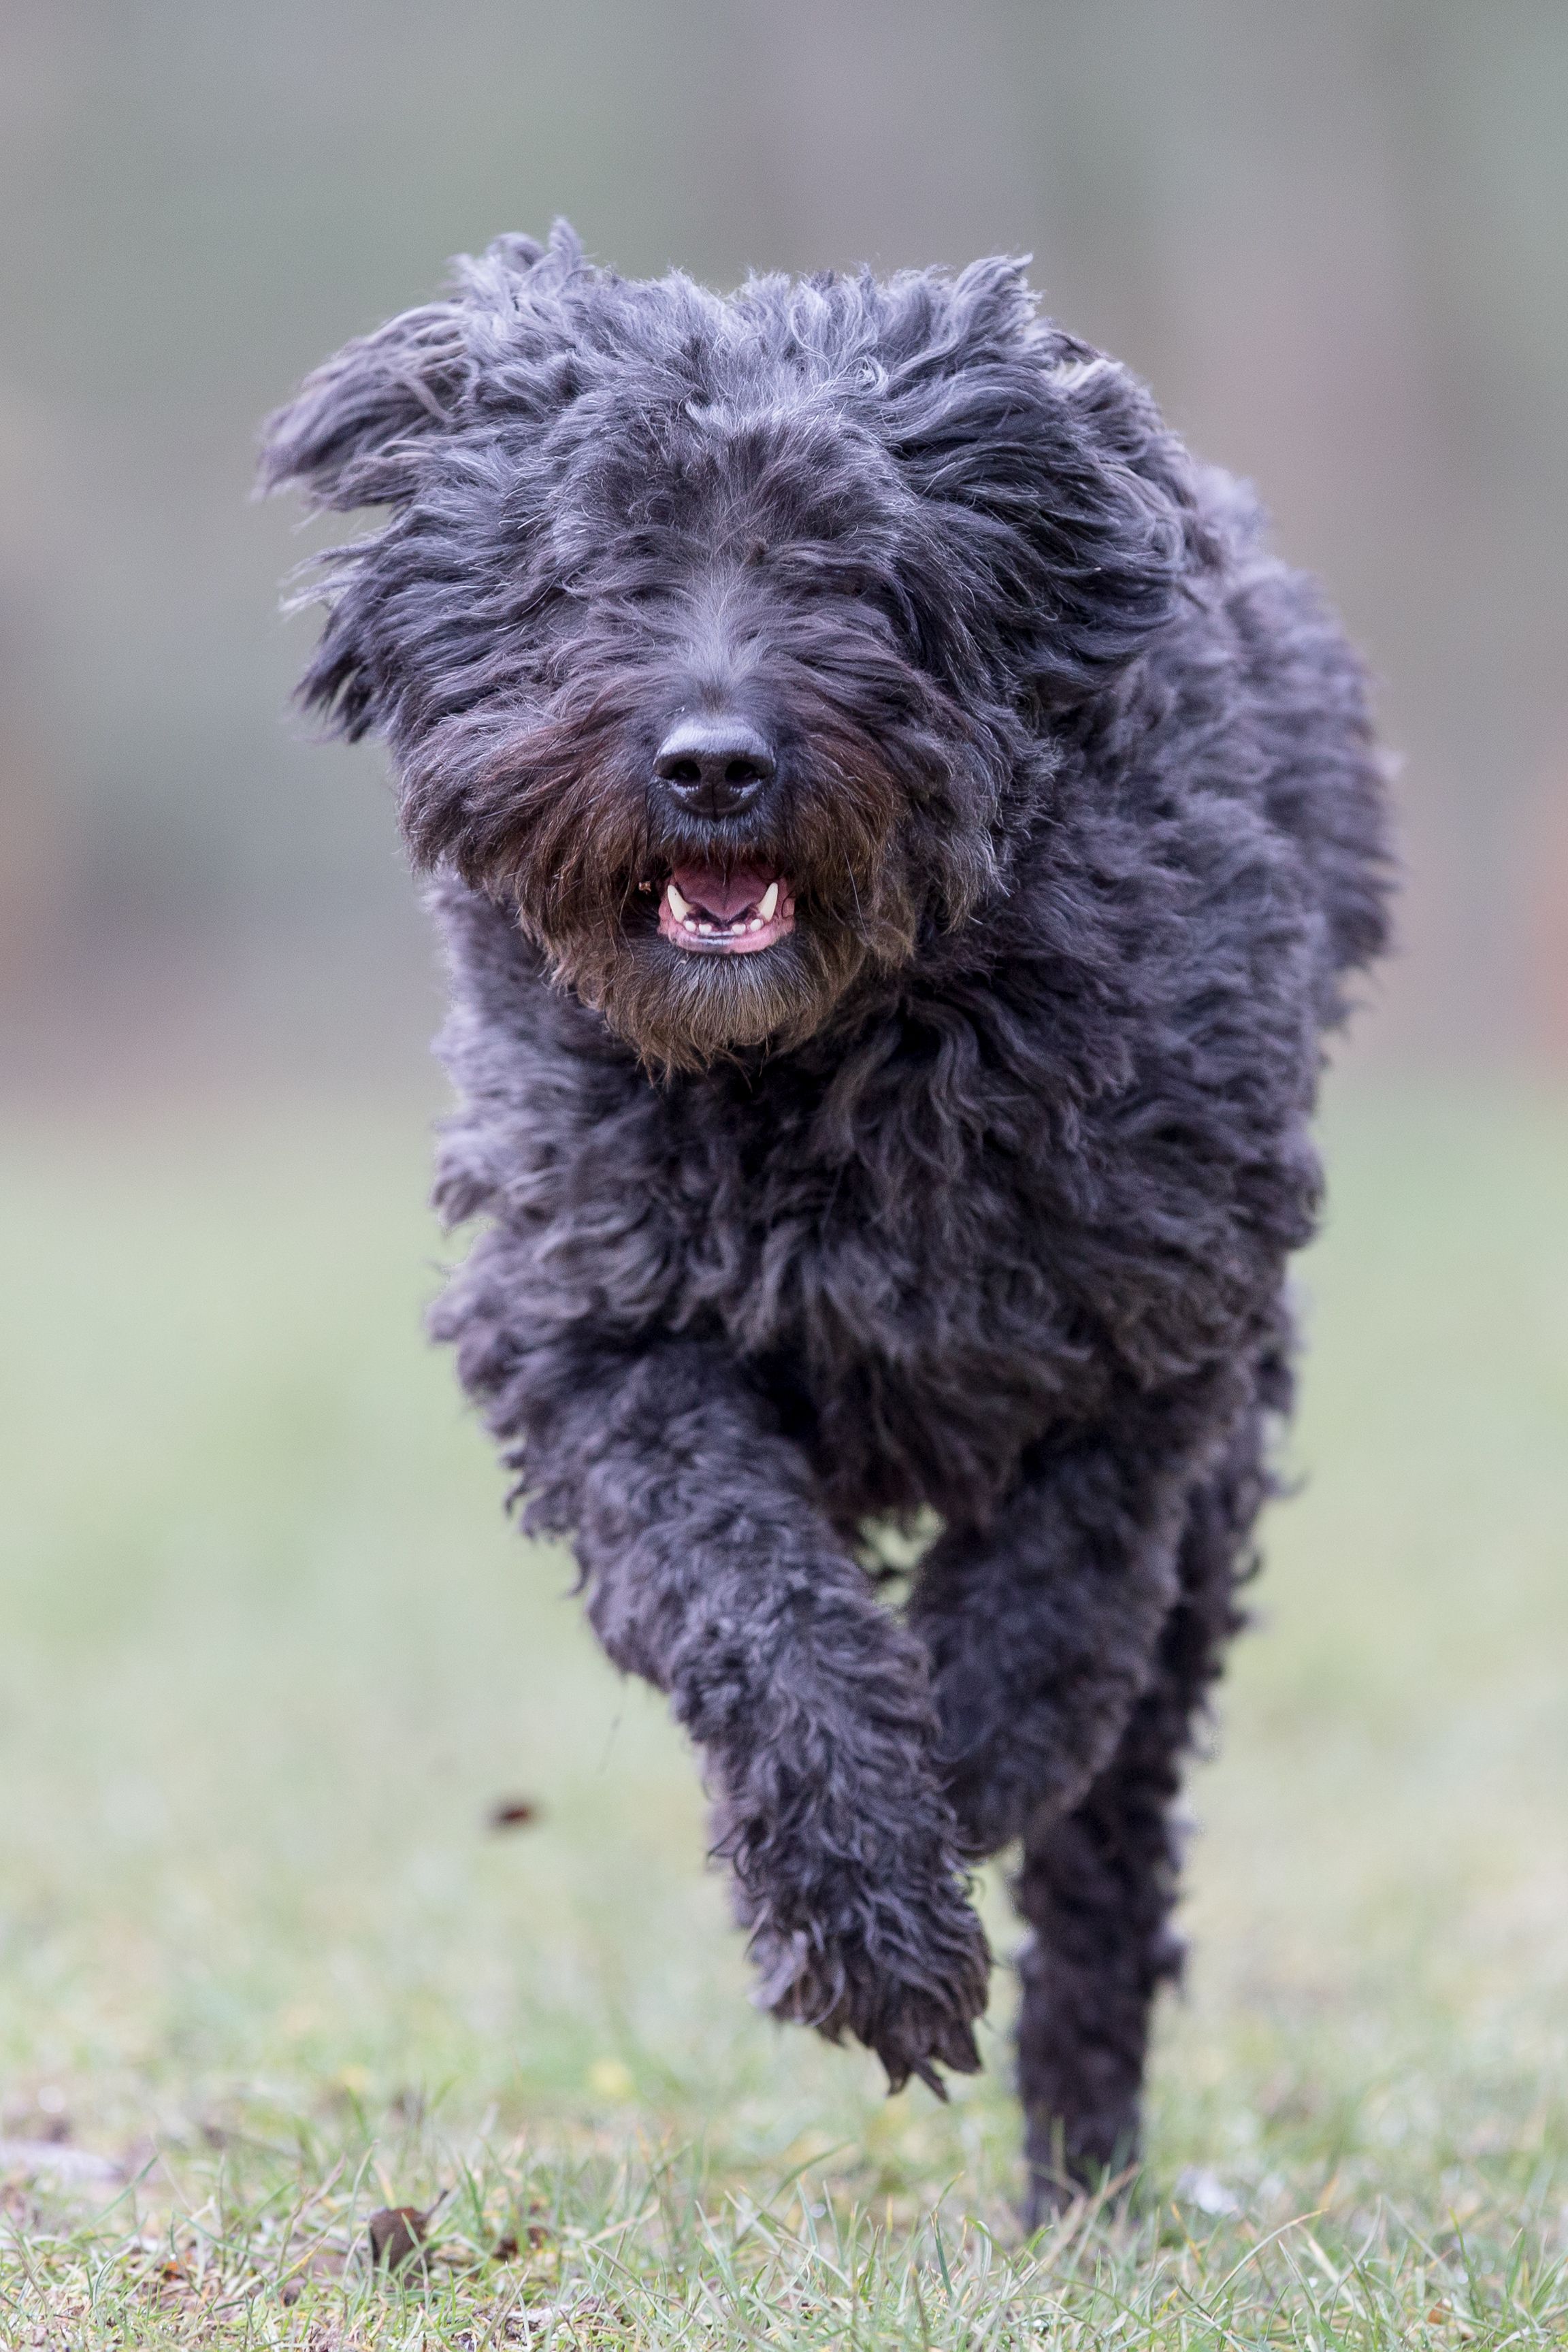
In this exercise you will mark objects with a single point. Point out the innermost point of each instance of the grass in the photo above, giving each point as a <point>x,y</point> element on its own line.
<point>272,1660</point>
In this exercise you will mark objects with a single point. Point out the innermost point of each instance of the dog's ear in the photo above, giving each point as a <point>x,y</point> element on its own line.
<point>353,433</point>
<point>346,438</point>
<point>370,427</point>
<point>1061,510</point>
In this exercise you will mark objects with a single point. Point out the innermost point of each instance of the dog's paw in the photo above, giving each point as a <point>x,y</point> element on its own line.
<point>907,1973</point>
<point>917,2031</point>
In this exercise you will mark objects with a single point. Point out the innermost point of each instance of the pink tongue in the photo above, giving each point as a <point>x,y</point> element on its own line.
<point>718,893</point>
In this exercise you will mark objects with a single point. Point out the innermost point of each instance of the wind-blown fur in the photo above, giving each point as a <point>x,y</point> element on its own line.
<point>974,1194</point>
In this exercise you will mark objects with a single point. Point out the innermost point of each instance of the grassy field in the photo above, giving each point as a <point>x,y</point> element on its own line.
<point>271,1660</point>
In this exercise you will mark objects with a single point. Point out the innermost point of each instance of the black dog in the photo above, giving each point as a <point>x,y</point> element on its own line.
<point>900,838</point>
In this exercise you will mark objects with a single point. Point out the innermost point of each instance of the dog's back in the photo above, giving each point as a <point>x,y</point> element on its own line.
<point>1324,776</point>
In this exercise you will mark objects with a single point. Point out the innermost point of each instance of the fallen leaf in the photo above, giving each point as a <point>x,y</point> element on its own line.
<point>512,1814</point>
<point>396,2232</point>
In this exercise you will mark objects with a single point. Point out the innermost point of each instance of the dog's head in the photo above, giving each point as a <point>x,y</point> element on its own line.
<point>725,638</point>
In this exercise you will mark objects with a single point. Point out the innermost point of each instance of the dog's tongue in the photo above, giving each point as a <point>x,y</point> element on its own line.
<point>723,895</point>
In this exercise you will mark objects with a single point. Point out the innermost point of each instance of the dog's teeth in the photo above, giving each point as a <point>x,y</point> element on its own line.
<point>767,906</point>
<point>677,905</point>
<point>755,924</point>
<point>706,930</point>
<point>689,923</point>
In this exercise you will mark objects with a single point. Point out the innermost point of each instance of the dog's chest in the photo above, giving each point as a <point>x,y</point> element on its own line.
<point>900,1297</point>
<point>818,1237</point>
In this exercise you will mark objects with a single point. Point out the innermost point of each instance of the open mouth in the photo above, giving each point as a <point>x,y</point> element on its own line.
<point>725,911</point>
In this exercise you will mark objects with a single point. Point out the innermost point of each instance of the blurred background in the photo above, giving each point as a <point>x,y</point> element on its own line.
<point>269,1653</point>
<point>1332,238</point>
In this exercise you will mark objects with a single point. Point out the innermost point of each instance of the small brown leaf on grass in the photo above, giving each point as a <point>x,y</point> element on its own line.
<point>509,2246</point>
<point>512,1814</point>
<point>396,2232</point>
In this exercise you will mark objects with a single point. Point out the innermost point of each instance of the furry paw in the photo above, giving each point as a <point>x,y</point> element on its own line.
<point>1047,2200</point>
<point>907,1973</point>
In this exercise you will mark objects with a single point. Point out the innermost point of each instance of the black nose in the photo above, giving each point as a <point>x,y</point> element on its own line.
<point>714,767</point>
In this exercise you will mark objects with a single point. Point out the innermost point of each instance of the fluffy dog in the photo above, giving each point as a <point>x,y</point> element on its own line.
<point>900,838</point>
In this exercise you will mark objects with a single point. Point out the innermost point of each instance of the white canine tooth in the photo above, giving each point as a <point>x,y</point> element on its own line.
<point>767,906</point>
<point>689,923</point>
<point>677,905</point>
<point>755,924</point>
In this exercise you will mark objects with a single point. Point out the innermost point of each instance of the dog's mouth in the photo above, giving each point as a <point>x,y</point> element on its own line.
<point>725,911</point>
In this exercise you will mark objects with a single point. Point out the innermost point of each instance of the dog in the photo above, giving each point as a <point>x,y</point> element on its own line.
<point>900,840</point>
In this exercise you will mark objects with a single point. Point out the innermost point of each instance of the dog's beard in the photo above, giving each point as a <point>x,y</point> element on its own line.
<point>587,871</point>
<point>682,1011</point>
<point>854,912</point>
<point>557,822</point>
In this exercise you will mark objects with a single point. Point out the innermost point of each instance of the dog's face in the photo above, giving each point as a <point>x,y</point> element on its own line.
<point>724,638</point>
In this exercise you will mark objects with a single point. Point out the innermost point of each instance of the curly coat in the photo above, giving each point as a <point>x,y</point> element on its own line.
<point>973,1195</point>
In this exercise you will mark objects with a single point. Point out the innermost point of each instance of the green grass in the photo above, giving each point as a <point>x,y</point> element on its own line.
<point>270,1657</point>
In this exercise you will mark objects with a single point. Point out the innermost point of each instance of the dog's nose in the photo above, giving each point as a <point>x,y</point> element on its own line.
<point>714,767</point>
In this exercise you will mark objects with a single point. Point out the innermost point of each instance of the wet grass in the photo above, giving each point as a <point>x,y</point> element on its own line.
<point>271,1661</point>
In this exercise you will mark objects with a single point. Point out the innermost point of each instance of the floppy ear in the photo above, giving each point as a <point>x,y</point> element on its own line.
<point>352,433</point>
<point>363,432</point>
<point>1062,509</point>
<point>345,437</point>
<point>352,436</point>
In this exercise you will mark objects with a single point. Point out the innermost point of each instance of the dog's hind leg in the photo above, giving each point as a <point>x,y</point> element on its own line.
<point>1097,1885</point>
<point>1044,1625</point>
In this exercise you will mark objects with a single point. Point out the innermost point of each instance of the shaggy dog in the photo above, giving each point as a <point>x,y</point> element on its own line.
<point>900,839</point>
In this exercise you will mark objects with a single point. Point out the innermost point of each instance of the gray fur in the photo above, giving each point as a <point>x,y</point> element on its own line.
<point>974,1194</point>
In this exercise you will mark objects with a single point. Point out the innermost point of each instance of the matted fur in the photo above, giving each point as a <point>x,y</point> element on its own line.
<point>973,1195</point>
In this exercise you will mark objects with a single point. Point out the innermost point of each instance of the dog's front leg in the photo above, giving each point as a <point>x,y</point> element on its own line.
<point>711,1571</point>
